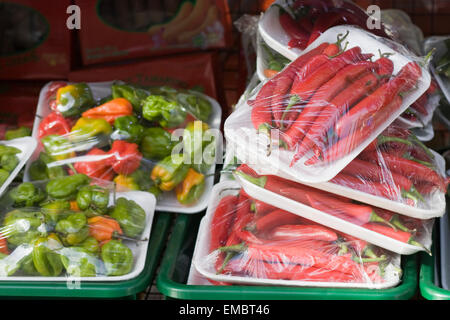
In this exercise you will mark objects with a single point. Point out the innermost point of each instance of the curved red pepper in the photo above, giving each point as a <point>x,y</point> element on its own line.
<point>125,157</point>
<point>54,123</point>
<point>95,169</point>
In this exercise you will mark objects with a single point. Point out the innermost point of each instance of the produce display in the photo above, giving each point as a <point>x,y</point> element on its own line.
<point>126,137</point>
<point>8,161</point>
<point>68,226</point>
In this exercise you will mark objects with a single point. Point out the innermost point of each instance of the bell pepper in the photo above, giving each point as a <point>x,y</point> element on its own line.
<point>96,169</point>
<point>26,194</point>
<point>131,93</point>
<point>23,226</point>
<point>169,172</point>
<point>66,187</point>
<point>53,123</point>
<point>91,245</point>
<point>7,150</point>
<point>130,216</point>
<point>192,187</point>
<point>102,228</point>
<point>39,169</point>
<point>46,260</point>
<point>93,199</point>
<point>17,133</point>
<point>58,147</point>
<point>3,176</point>
<point>128,129</point>
<point>9,162</point>
<point>53,210</point>
<point>169,113</point>
<point>73,99</point>
<point>125,157</point>
<point>110,110</point>
<point>198,147</point>
<point>79,262</point>
<point>198,106</point>
<point>86,128</point>
<point>156,143</point>
<point>117,257</point>
<point>125,182</point>
<point>73,229</point>
<point>27,266</point>
<point>140,177</point>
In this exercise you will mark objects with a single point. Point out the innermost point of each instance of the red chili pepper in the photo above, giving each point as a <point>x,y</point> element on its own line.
<point>261,208</point>
<point>95,169</point>
<point>420,104</point>
<point>222,220</point>
<point>395,219</point>
<point>426,188</point>
<point>125,157</point>
<point>274,219</point>
<point>362,247</point>
<point>54,123</point>
<point>302,232</point>
<point>323,23</point>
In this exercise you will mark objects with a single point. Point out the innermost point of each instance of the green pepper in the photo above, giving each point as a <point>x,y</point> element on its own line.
<point>117,257</point>
<point>168,113</point>
<point>46,260</point>
<point>23,226</point>
<point>73,99</point>
<point>27,266</point>
<point>9,162</point>
<point>127,128</point>
<point>196,146</point>
<point>58,147</point>
<point>156,143</point>
<point>198,106</point>
<point>130,216</point>
<point>66,187</point>
<point>93,199</point>
<point>51,172</point>
<point>17,133</point>
<point>73,229</point>
<point>3,176</point>
<point>133,94</point>
<point>141,178</point>
<point>26,194</point>
<point>91,245</point>
<point>8,150</point>
<point>169,172</point>
<point>79,262</point>
<point>53,210</point>
<point>86,128</point>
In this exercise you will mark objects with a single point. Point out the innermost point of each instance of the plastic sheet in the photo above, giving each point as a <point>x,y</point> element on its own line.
<point>440,65</point>
<point>242,240</point>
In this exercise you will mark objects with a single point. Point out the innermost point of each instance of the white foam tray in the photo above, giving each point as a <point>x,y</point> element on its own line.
<point>203,261</point>
<point>27,145</point>
<point>167,201</point>
<point>240,131</point>
<point>139,248</point>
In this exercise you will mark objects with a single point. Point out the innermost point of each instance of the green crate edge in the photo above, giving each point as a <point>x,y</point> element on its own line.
<point>171,289</point>
<point>121,289</point>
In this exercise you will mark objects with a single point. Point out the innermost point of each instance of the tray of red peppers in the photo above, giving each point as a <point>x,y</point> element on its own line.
<point>316,115</point>
<point>129,135</point>
<point>245,241</point>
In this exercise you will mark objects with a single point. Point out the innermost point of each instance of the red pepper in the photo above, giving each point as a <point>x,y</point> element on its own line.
<point>302,232</point>
<point>361,247</point>
<point>396,220</point>
<point>261,208</point>
<point>298,36</point>
<point>274,219</point>
<point>125,157</point>
<point>322,23</point>
<point>110,110</point>
<point>54,123</point>
<point>420,104</point>
<point>222,220</point>
<point>53,88</point>
<point>3,244</point>
<point>95,169</point>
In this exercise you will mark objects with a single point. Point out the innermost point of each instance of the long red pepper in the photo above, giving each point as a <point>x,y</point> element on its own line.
<point>302,232</point>
<point>222,220</point>
<point>274,219</point>
<point>362,247</point>
<point>394,219</point>
<point>261,208</point>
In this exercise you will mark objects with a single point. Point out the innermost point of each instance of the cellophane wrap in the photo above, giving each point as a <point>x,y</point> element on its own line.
<point>72,226</point>
<point>317,114</point>
<point>405,229</point>
<point>160,143</point>
<point>441,61</point>
<point>253,240</point>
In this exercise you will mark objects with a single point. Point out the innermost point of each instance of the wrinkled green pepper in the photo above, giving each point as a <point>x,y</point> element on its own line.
<point>79,262</point>
<point>3,176</point>
<point>133,94</point>
<point>17,133</point>
<point>117,257</point>
<point>27,266</point>
<point>169,172</point>
<point>58,147</point>
<point>198,147</point>
<point>141,178</point>
<point>9,162</point>
<point>73,99</point>
<point>8,150</point>
<point>130,216</point>
<point>26,194</point>
<point>66,187</point>
<point>156,143</point>
<point>198,106</point>
<point>91,245</point>
<point>93,199</point>
<point>46,260</point>
<point>24,226</point>
<point>86,128</point>
<point>128,129</point>
<point>73,229</point>
<point>39,169</point>
<point>53,210</point>
<point>168,113</point>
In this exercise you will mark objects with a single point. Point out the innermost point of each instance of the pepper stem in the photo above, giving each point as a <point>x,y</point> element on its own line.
<point>425,163</point>
<point>265,129</point>
<point>253,207</point>
<point>418,244</point>
<point>343,248</point>
<point>339,40</point>
<point>417,193</point>
<point>365,260</point>
<point>260,182</point>
<point>292,101</point>
<point>384,139</point>
<point>225,261</point>
<point>396,221</point>
<point>376,218</point>
<point>237,248</point>
<point>369,252</point>
<point>420,144</point>
<point>71,167</point>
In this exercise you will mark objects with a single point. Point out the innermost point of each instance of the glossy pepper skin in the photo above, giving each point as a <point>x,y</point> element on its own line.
<point>125,157</point>
<point>140,177</point>
<point>110,110</point>
<point>39,169</point>
<point>168,113</point>
<point>169,172</point>
<point>53,123</point>
<point>156,143</point>
<point>128,128</point>
<point>192,187</point>
<point>126,182</point>
<point>117,257</point>
<point>26,194</point>
<point>17,133</point>
<point>54,209</point>
<point>73,99</point>
<point>46,260</point>
<point>58,147</point>
<point>73,229</point>
<point>96,169</point>
<point>197,145</point>
<point>198,106</point>
<point>86,128</point>
<point>66,187</point>
<point>91,245</point>
<point>130,216</point>
<point>9,162</point>
<point>79,262</point>
<point>103,228</point>
<point>133,94</point>
<point>93,199</point>
<point>27,266</point>
<point>23,226</point>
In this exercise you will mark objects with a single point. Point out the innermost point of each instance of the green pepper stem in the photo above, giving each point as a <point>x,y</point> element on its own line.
<point>339,39</point>
<point>292,101</point>
<point>71,167</point>
<point>376,218</point>
<point>396,221</point>
<point>121,236</point>
<point>420,144</point>
<point>228,257</point>
<point>384,139</point>
<point>418,244</point>
<point>416,193</point>
<point>238,248</point>
<point>369,252</point>
<point>343,248</point>
<point>425,163</point>
<point>260,182</point>
<point>253,207</point>
<point>365,260</point>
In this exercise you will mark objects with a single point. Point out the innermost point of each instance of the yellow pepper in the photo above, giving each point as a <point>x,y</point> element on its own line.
<point>86,128</point>
<point>191,189</point>
<point>127,182</point>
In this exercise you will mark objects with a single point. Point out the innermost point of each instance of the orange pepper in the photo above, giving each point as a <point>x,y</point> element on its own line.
<point>269,73</point>
<point>102,228</point>
<point>3,245</point>
<point>110,110</point>
<point>74,206</point>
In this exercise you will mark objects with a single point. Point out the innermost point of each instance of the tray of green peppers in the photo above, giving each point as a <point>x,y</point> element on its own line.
<point>73,228</point>
<point>14,154</point>
<point>127,134</point>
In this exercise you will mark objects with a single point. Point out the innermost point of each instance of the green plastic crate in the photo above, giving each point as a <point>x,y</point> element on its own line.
<point>107,290</point>
<point>174,269</point>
